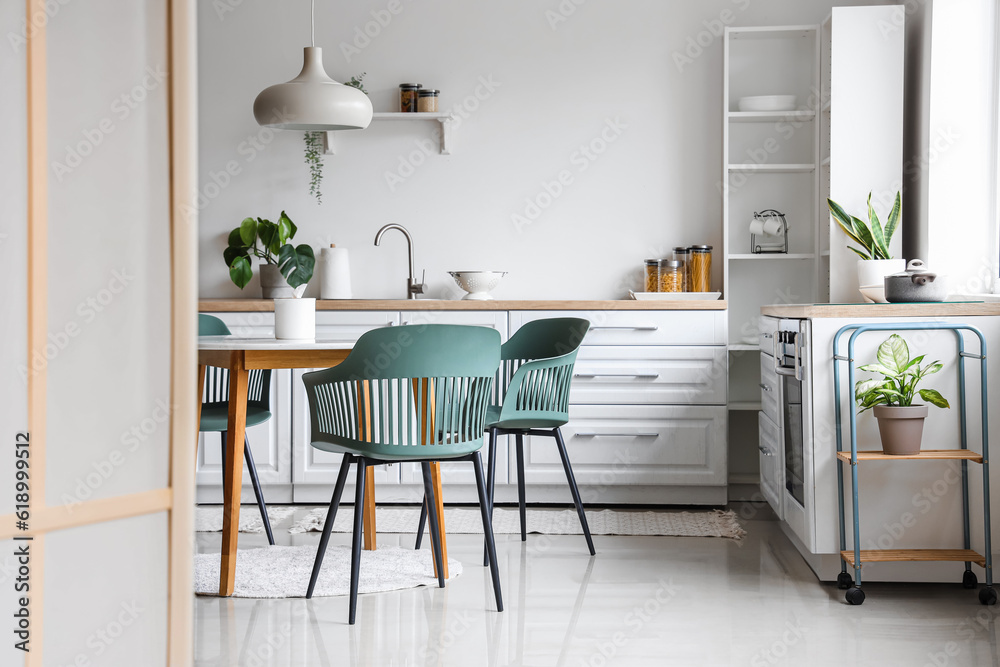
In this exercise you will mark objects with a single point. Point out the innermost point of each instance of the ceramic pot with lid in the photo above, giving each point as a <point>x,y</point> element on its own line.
<point>915,285</point>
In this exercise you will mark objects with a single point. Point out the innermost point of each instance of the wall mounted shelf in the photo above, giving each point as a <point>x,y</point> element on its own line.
<point>445,118</point>
<point>774,168</point>
<point>770,116</point>
<point>773,255</point>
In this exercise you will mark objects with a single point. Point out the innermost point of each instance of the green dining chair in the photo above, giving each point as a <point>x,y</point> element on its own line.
<point>215,410</point>
<point>532,398</point>
<point>412,394</point>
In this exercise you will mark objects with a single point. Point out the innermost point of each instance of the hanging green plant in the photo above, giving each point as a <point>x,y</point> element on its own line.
<point>314,148</point>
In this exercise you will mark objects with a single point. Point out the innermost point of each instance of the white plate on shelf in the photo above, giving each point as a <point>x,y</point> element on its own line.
<point>675,296</point>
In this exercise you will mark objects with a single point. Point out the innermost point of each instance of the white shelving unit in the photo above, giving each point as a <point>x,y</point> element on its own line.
<point>445,119</point>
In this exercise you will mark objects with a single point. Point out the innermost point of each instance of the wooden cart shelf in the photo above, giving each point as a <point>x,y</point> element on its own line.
<point>925,454</point>
<point>888,555</point>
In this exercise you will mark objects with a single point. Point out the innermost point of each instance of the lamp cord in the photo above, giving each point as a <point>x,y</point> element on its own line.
<point>312,22</point>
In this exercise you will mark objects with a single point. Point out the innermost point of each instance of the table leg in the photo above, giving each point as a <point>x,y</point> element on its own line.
<point>364,428</point>
<point>238,380</point>
<point>202,369</point>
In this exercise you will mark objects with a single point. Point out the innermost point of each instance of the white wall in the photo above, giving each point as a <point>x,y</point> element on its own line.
<point>561,81</point>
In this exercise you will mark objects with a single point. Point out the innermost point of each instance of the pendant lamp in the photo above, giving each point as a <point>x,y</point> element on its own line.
<point>312,101</point>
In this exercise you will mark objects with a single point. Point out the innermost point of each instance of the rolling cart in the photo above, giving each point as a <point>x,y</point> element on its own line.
<point>857,556</point>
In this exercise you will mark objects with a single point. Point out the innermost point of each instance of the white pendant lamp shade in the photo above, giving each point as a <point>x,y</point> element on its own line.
<point>313,101</point>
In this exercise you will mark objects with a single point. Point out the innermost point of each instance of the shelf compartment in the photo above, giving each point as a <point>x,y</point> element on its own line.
<point>770,116</point>
<point>775,255</point>
<point>774,168</point>
<point>745,406</point>
<point>925,454</point>
<point>744,347</point>
<point>768,32</point>
<point>914,555</point>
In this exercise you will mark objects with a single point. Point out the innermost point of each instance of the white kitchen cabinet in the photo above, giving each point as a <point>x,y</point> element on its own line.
<point>648,412</point>
<point>270,442</point>
<point>772,465</point>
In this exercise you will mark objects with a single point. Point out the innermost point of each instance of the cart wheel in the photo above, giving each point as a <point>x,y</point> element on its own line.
<point>969,579</point>
<point>844,581</point>
<point>856,596</point>
<point>988,595</point>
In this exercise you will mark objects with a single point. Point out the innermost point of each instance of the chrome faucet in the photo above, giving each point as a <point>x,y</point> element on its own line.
<point>413,288</point>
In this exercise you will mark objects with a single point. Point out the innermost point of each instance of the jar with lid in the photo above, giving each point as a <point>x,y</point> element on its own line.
<point>671,275</point>
<point>652,274</point>
<point>683,254</point>
<point>408,96</point>
<point>701,268</point>
<point>427,99</point>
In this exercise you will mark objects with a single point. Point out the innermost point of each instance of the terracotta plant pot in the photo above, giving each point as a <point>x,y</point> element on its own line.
<point>272,284</point>
<point>901,428</point>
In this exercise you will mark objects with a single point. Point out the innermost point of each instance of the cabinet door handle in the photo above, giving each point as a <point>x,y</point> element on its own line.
<point>643,376</point>
<point>764,451</point>
<point>764,386</point>
<point>591,434</point>
<point>767,335</point>
<point>639,328</point>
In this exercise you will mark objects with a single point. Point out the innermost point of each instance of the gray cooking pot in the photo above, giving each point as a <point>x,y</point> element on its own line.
<point>914,285</point>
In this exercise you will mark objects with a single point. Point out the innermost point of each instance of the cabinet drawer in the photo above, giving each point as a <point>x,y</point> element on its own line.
<point>608,374</point>
<point>479,318</point>
<point>635,444</point>
<point>772,468</point>
<point>641,327</point>
<point>770,388</point>
<point>768,329</point>
<point>341,325</point>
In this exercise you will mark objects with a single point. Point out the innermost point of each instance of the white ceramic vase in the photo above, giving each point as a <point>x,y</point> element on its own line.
<point>295,319</point>
<point>871,277</point>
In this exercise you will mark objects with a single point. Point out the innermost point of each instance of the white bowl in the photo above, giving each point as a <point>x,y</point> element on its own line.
<point>767,103</point>
<point>478,284</point>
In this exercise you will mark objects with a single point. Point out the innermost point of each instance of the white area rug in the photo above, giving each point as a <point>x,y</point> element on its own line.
<point>283,572</point>
<point>715,523</point>
<point>209,519</point>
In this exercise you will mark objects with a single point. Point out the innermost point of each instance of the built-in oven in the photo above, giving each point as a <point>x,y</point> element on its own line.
<point>791,355</point>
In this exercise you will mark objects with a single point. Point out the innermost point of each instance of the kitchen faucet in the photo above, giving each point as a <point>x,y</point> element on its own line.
<point>413,288</point>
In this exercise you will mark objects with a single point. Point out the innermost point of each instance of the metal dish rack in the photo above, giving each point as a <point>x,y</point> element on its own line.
<point>857,556</point>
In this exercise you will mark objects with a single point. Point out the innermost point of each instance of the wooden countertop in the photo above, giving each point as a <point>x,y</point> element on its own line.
<point>858,310</point>
<point>245,305</point>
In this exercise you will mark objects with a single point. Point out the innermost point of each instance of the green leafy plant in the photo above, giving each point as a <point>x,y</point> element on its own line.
<point>873,238</point>
<point>314,148</point>
<point>900,376</point>
<point>269,242</point>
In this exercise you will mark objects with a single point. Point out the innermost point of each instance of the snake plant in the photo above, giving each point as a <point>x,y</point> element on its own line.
<point>873,238</point>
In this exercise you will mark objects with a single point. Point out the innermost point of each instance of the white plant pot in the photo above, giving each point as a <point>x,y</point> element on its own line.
<point>295,319</point>
<point>871,277</point>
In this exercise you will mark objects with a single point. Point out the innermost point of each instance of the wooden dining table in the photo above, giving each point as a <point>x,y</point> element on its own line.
<point>240,356</point>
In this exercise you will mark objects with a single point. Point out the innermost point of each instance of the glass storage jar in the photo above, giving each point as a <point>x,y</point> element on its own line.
<point>652,283</point>
<point>683,254</point>
<point>671,275</point>
<point>408,96</point>
<point>427,100</point>
<point>701,268</point>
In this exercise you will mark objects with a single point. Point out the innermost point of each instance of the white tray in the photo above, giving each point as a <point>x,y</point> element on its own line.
<point>675,296</point>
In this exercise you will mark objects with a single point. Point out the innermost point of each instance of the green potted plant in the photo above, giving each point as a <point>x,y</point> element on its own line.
<point>284,269</point>
<point>876,259</point>
<point>900,422</point>
<point>315,146</point>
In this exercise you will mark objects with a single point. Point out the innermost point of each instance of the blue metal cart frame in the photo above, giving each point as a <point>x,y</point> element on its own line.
<point>855,595</point>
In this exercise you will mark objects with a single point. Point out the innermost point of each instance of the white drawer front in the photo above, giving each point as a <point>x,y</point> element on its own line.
<point>341,325</point>
<point>768,329</point>
<point>640,327</point>
<point>481,318</point>
<point>635,444</point>
<point>772,469</point>
<point>770,388</point>
<point>630,375</point>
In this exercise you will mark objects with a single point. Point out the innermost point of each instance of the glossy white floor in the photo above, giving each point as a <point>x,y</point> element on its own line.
<point>640,601</point>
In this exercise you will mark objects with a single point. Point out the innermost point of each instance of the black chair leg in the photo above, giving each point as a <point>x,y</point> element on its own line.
<point>359,513</point>
<point>491,551</point>
<point>261,505</point>
<point>432,515</point>
<point>572,487</point>
<point>331,515</point>
<point>520,486</point>
<point>491,473</point>
<point>421,524</point>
